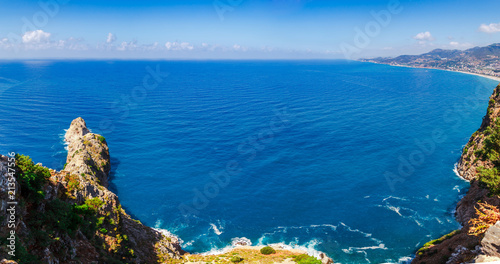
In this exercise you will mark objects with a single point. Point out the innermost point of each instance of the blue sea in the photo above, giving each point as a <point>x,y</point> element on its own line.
<point>352,159</point>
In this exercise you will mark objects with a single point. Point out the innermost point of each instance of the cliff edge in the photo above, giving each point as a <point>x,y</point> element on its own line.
<point>479,165</point>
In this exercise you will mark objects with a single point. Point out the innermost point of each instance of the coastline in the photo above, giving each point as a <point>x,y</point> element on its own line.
<point>477,74</point>
<point>495,78</point>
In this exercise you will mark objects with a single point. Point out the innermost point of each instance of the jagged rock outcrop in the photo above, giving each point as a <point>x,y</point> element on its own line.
<point>491,241</point>
<point>84,181</point>
<point>89,159</point>
<point>325,259</point>
<point>88,154</point>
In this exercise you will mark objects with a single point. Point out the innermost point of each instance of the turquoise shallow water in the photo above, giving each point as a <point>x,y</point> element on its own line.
<point>353,159</point>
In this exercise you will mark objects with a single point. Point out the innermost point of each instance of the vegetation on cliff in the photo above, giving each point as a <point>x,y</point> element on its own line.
<point>267,250</point>
<point>425,248</point>
<point>31,178</point>
<point>487,215</point>
<point>54,222</point>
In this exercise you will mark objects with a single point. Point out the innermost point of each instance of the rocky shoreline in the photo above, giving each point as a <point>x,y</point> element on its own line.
<point>88,224</point>
<point>459,246</point>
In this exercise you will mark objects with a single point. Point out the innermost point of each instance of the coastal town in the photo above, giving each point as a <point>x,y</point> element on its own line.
<point>478,60</point>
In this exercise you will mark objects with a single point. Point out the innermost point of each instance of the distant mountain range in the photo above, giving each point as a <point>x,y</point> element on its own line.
<point>481,60</point>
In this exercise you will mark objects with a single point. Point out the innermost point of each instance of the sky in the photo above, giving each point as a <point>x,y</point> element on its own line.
<point>242,29</point>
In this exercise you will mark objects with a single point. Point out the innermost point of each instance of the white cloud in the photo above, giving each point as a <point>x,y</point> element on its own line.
<point>132,45</point>
<point>491,28</point>
<point>111,38</point>
<point>151,47</point>
<point>37,36</point>
<point>211,47</point>
<point>178,46</point>
<point>237,47</point>
<point>424,36</point>
<point>40,40</point>
<point>5,43</point>
<point>72,44</point>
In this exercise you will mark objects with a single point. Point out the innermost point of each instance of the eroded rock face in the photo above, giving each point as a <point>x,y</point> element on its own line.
<point>88,153</point>
<point>89,160</point>
<point>77,129</point>
<point>491,241</point>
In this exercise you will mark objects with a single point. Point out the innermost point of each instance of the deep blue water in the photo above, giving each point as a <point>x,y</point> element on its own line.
<point>305,145</point>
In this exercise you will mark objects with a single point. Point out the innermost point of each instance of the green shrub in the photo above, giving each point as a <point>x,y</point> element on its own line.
<point>101,138</point>
<point>31,177</point>
<point>23,256</point>
<point>90,206</point>
<point>267,250</point>
<point>491,148</point>
<point>73,182</point>
<point>59,218</point>
<point>306,259</point>
<point>490,178</point>
<point>431,243</point>
<point>490,151</point>
<point>82,210</point>
<point>100,221</point>
<point>236,259</point>
<point>94,203</point>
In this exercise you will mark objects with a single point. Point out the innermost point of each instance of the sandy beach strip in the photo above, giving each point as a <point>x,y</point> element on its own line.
<point>472,73</point>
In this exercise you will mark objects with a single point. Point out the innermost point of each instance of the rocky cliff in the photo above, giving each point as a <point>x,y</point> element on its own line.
<point>72,217</point>
<point>478,164</point>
